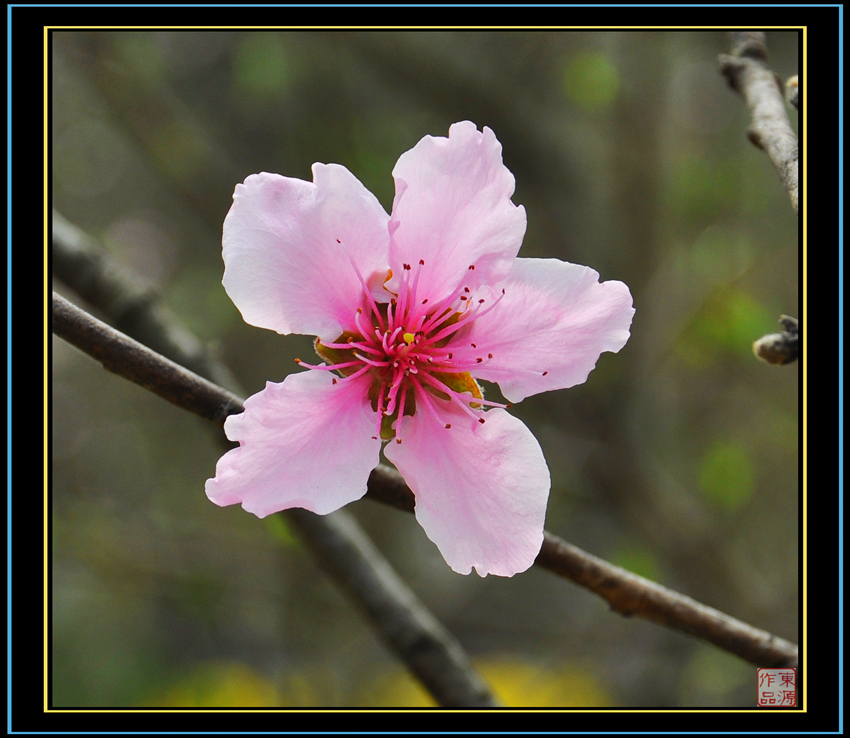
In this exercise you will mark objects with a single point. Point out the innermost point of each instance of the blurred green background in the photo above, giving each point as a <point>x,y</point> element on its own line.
<point>677,459</point>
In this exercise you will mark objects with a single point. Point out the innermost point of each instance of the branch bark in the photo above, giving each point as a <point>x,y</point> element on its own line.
<point>747,72</point>
<point>625,592</point>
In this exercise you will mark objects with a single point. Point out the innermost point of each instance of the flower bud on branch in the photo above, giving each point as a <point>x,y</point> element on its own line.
<point>779,348</point>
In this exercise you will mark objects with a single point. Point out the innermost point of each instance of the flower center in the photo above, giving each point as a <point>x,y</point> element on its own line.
<point>414,352</point>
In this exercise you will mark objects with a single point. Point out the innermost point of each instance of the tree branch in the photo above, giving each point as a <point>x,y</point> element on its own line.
<point>747,72</point>
<point>127,358</point>
<point>626,593</point>
<point>132,305</point>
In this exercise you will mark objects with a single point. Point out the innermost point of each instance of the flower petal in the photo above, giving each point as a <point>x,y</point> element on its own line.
<point>481,488</point>
<point>305,442</point>
<point>550,327</point>
<point>453,209</point>
<point>289,247</point>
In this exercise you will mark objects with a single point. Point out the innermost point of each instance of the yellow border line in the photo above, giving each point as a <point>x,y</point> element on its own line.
<point>47,219</point>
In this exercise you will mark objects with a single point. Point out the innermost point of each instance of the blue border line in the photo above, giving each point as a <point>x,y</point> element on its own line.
<point>840,365</point>
<point>9,368</point>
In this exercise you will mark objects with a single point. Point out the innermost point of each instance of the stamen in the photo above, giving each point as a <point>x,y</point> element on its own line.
<point>371,362</point>
<point>358,373</point>
<point>328,367</point>
<point>366,290</point>
<point>379,415</point>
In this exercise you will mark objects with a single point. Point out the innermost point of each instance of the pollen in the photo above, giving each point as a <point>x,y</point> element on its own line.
<point>408,338</point>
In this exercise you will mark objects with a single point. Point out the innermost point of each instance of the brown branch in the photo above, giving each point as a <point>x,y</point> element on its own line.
<point>127,358</point>
<point>631,595</point>
<point>626,593</point>
<point>747,72</point>
<point>132,306</point>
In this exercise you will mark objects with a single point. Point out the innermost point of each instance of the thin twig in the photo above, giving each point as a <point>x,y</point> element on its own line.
<point>747,73</point>
<point>127,358</point>
<point>627,593</point>
<point>131,305</point>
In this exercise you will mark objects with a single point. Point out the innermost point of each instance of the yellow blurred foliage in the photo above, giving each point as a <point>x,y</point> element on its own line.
<point>219,684</point>
<point>516,683</point>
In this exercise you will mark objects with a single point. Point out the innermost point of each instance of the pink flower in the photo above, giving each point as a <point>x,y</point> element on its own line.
<point>409,310</point>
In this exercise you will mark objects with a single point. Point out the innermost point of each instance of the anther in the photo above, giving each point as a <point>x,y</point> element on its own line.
<point>545,373</point>
<point>472,267</point>
<point>398,440</point>
<point>473,345</point>
<point>489,356</point>
<point>479,360</point>
<point>448,425</point>
<point>422,262</point>
<point>481,420</point>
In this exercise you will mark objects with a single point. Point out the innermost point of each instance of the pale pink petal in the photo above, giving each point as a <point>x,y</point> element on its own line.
<point>305,442</point>
<point>453,210</point>
<point>481,488</point>
<point>550,327</point>
<point>289,247</point>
